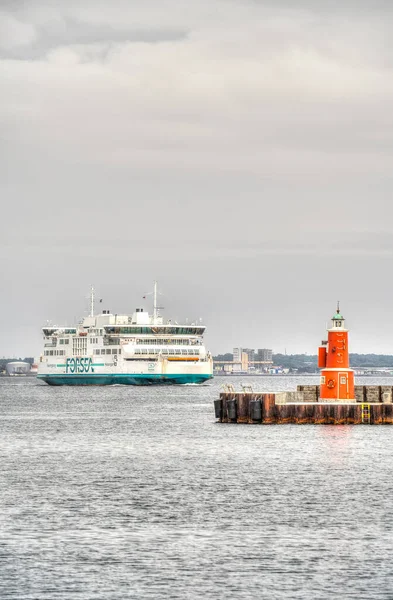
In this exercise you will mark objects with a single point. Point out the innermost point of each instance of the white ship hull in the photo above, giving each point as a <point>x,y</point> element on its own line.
<point>91,371</point>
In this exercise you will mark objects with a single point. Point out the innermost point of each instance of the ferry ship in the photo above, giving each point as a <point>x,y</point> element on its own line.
<point>137,349</point>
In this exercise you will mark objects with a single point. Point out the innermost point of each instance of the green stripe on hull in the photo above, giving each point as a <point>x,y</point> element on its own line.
<point>123,379</point>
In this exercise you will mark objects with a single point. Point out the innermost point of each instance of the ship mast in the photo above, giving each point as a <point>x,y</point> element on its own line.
<point>155,307</point>
<point>92,301</point>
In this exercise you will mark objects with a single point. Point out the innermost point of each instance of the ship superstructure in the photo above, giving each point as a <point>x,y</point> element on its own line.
<point>137,349</point>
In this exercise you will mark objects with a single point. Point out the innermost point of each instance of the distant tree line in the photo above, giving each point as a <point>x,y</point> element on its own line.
<point>227,356</point>
<point>308,363</point>
<point>303,363</point>
<point>371,360</point>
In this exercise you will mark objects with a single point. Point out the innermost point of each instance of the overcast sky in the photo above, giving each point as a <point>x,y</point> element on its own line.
<point>238,151</point>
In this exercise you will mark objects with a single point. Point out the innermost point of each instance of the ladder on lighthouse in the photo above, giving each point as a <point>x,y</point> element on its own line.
<point>366,413</point>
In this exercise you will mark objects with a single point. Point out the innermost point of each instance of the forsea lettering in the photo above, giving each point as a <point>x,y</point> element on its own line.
<point>79,365</point>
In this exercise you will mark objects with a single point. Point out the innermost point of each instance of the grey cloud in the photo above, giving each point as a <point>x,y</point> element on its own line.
<point>76,34</point>
<point>15,34</point>
<point>239,152</point>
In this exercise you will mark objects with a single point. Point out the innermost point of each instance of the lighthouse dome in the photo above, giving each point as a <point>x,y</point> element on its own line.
<point>338,321</point>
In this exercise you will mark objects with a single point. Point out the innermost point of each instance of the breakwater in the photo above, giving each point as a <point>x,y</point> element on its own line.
<point>373,406</point>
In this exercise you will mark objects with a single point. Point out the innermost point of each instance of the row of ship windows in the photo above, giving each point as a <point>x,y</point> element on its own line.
<point>164,351</point>
<point>165,330</point>
<point>97,352</point>
<point>152,342</point>
<point>53,331</point>
<point>64,341</point>
<point>162,342</point>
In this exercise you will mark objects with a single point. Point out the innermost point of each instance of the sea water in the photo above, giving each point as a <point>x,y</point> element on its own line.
<point>136,492</point>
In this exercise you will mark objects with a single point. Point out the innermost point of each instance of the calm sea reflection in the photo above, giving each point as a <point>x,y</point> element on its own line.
<point>124,492</point>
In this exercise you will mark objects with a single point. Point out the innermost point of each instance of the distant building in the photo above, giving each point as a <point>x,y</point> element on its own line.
<point>245,359</point>
<point>264,354</point>
<point>250,354</point>
<point>237,355</point>
<point>238,352</point>
<point>18,368</point>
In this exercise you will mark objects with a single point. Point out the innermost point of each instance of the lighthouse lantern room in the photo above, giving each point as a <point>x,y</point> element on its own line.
<point>337,380</point>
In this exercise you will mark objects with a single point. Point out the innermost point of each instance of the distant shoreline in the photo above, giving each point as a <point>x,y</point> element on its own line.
<point>375,374</point>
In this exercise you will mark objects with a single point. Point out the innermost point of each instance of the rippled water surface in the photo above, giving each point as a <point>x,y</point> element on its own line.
<point>124,492</point>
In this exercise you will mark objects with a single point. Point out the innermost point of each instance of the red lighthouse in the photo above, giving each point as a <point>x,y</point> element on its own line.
<point>337,382</point>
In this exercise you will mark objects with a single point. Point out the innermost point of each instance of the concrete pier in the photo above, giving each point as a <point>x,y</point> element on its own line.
<point>373,406</point>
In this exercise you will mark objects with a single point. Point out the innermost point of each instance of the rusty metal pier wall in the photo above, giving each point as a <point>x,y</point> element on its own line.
<point>373,406</point>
